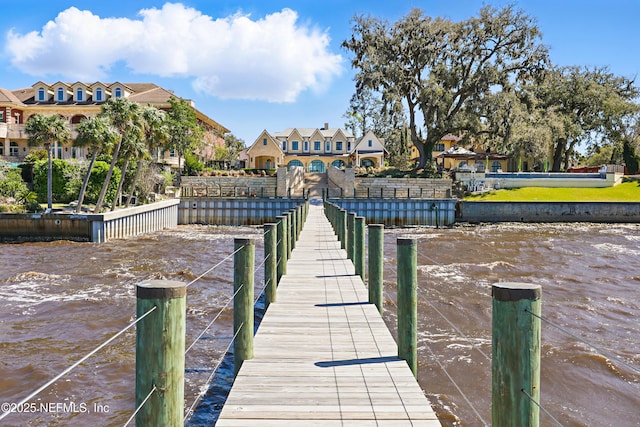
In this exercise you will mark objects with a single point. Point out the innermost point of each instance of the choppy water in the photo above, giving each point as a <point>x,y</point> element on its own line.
<point>60,300</point>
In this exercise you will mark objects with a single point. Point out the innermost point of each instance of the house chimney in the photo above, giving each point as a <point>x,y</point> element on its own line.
<point>326,126</point>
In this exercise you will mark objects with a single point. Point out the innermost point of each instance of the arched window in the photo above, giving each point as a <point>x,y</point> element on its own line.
<point>13,149</point>
<point>495,165</point>
<point>60,94</point>
<point>41,94</point>
<point>366,163</point>
<point>338,164</point>
<point>317,166</point>
<point>118,93</point>
<point>99,94</point>
<point>79,95</point>
<point>294,163</point>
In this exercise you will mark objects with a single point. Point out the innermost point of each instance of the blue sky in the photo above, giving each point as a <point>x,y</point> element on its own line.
<point>254,65</point>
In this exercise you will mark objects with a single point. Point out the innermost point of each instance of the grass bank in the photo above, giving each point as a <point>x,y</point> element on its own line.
<point>625,192</point>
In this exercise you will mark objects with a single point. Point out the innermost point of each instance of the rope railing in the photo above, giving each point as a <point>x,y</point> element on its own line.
<point>153,390</point>
<point>79,362</point>
<point>215,266</point>
<point>541,407</point>
<point>205,387</point>
<point>602,351</point>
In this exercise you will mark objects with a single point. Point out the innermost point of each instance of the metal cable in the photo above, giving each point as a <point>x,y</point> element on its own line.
<point>215,266</point>
<point>540,406</point>
<point>582,340</point>
<point>205,387</point>
<point>464,396</point>
<point>66,371</point>
<point>214,319</point>
<point>153,390</point>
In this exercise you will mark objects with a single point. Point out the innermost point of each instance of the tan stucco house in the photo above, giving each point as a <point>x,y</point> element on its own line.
<point>315,149</point>
<point>75,101</point>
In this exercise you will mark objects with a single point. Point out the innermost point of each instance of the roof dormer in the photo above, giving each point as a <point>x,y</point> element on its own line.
<point>42,92</point>
<point>100,92</point>
<point>118,90</point>
<point>80,92</point>
<point>61,92</point>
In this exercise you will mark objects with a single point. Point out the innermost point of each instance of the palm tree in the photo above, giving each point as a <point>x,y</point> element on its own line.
<point>133,147</point>
<point>43,131</point>
<point>156,134</point>
<point>122,114</point>
<point>97,134</point>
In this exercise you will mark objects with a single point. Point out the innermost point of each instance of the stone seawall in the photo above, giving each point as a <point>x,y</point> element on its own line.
<point>604,212</point>
<point>402,212</point>
<point>403,187</point>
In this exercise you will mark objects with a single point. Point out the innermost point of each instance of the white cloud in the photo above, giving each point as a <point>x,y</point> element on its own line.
<point>273,58</point>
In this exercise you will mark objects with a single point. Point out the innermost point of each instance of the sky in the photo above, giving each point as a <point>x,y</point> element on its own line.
<point>265,64</point>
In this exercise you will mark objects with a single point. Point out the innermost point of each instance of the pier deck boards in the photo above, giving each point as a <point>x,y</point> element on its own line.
<point>323,356</point>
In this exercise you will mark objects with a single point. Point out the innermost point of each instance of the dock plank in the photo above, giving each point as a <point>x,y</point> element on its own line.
<point>323,356</point>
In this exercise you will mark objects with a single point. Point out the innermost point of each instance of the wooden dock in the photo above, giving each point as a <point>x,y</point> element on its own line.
<point>323,356</point>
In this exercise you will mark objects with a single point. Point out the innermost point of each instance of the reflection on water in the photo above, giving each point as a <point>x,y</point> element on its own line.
<point>60,300</point>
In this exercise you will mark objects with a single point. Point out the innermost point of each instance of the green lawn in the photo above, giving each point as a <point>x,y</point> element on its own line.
<point>625,192</point>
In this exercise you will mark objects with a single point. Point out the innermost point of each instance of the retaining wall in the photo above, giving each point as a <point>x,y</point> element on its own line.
<point>89,227</point>
<point>403,187</point>
<point>605,212</point>
<point>217,211</point>
<point>401,212</point>
<point>228,186</point>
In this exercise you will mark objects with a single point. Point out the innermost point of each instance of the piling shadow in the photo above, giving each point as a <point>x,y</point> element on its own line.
<point>365,361</point>
<point>341,304</point>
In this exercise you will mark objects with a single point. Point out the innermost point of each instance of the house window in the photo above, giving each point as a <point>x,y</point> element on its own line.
<point>41,94</point>
<point>118,93</point>
<point>99,94</point>
<point>294,145</point>
<point>327,146</point>
<point>338,145</point>
<point>1,116</point>
<point>495,165</point>
<point>264,141</point>
<point>79,95</point>
<point>60,94</point>
<point>348,145</point>
<point>305,146</point>
<point>438,147</point>
<point>316,145</point>
<point>370,143</point>
<point>13,149</point>
<point>172,153</point>
<point>284,145</point>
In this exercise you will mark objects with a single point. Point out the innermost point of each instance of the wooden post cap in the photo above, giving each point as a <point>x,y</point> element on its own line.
<point>375,226</point>
<point>244,241</point>
<point>161,289</point>
<point>513,291</point>
<point>404,241</point>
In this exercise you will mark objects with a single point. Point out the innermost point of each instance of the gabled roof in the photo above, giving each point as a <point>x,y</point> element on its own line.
<point>270,140</point>
<point>10,97</point>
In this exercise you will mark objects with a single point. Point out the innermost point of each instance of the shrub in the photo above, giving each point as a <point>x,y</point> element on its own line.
<point>66,180</point>
<point>98,175</point>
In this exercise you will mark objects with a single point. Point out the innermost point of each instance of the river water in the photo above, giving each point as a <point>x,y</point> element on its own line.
<point>60,300</point>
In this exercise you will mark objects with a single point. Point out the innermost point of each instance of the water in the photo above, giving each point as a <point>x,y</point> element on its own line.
<point>60,300</point>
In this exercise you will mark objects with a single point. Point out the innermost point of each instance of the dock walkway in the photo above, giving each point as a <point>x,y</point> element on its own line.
<point>323,356</point>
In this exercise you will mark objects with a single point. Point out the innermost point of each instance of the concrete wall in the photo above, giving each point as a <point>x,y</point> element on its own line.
<point>607,212</point>
<point>537,179</point>
<point>289,180</point>
<point>401,212</point>
<point>220,211</point>
<point>91,227</point>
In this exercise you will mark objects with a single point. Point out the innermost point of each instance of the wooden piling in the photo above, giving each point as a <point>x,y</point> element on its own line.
<point>160,349</point>
<point>407,260</point>
<point>289,234</point>
<point>243,288</point>
<point>270,263</point>
<point>351,241</point>
<point>376,265</point>
<point>359,249</point>
<point>281,263</point>
<point>515,363</point>
<point>342,226</point>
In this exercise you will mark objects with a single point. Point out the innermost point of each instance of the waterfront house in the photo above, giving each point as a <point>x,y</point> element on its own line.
<point>74,102</point>
<point>315,149</point>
